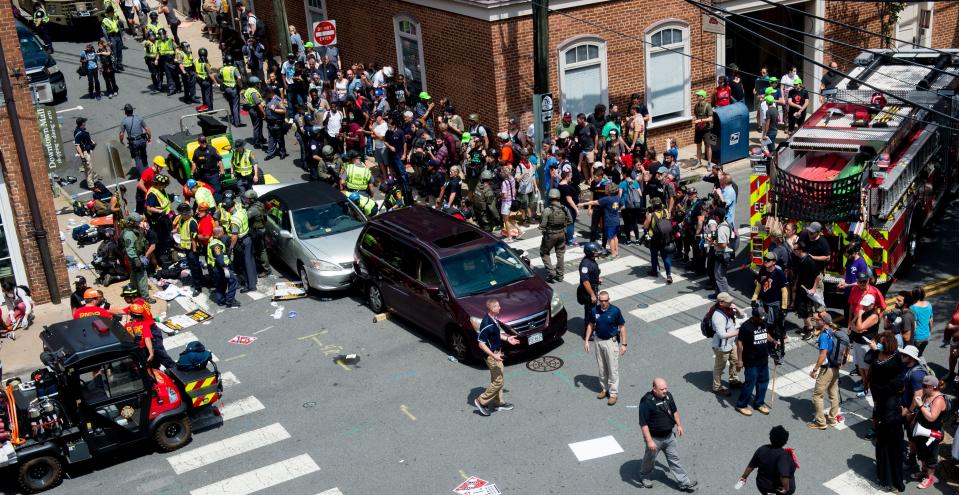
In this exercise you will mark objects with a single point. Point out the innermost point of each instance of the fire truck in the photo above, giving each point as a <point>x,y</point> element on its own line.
<point>871,166</point>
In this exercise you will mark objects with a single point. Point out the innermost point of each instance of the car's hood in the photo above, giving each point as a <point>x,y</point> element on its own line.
<point>34,60</point>
<point>336,248</point>
<point>516,301</point>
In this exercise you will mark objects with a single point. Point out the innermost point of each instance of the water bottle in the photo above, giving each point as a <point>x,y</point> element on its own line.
<point>740,484</point>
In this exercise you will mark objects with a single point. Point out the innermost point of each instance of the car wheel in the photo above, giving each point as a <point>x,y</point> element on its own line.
<point>458,345</point>
<point>173,434</point>
<point>374,297</point>
<point>304,278</point>
<point>59,98</point>
<point>39,474</point>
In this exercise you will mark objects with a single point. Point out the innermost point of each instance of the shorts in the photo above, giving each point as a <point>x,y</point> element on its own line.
<point>859,355</point>
<point>806,307</point>
<point>380,156</point>
<point>929,455</point>
<point>700,134</point>
<point>611,232</point>
<point>590,156</point>
<point>504,208</point>
<point>524,200</point>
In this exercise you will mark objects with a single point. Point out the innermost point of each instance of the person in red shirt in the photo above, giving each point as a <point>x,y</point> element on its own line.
<point>132,297</point>
<point>952,336</point>
<point>146,182</point>
<point>139,327</point>
<point>862,288</point>
<point>722,96</point>
<point>91,307</point>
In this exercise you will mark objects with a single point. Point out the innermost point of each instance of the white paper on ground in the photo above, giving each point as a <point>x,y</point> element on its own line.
<point>595,448</point>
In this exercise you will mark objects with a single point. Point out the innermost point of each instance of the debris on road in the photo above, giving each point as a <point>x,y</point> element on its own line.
<point>284,291</point>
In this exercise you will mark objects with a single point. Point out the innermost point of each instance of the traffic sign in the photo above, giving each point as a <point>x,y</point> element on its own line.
<point>324,32</point>
<point>546,107</point>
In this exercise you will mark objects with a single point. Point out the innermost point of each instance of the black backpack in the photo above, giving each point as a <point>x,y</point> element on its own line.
<point>706,326</point>
<point>194,357</point>
<point>840,348</point>
<point>662,231</point>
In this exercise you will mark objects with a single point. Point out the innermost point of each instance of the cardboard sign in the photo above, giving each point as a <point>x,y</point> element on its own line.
<point>476,486</point>
<point>180,322</point>
<point>242,340</point>
<point>283,291</point>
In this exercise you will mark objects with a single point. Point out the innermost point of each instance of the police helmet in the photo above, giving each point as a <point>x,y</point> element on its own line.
<point>161,180</point>
<point>202,52</point>
<point>161,32</point>
<point>229,194</point>
<point>185,45</point>
<point>253,80</point>
<point>154,15</point>
<point>354,196</point>
<point>486,175</point>
<point>151,35</point>
<point>228,60</point>
<point>228,203</point>
<point>129,291</point>
<point>494,154</point>
<point>249,194</point>
<point>554,193</point>
<point>592,249</point>
<point>184,208</point>
<point>352,155</point>
<point>327,150</point>
<point>384,188</point>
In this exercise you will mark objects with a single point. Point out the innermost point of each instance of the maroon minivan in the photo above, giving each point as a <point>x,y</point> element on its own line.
<point>438,271</point>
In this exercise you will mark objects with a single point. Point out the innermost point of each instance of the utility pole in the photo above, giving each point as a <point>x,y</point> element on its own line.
<point>542,100</point>
<point>283,30</point>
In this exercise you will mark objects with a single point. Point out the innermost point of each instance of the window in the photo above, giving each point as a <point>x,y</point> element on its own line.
<point>315,12</point>
<point>427,274</point>
<point>582,75</point>
<point>667,71</point>
<point>111,380</point>
<point>409,52</point>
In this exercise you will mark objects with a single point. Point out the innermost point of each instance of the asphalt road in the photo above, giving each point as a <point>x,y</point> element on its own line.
<point>401,420</point>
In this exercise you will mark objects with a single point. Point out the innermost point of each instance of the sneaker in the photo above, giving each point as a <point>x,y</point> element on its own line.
<point>724,392</point>
<point>816,426</point>
<point>601,394</point>
<point>858,387</point>
<point>870,434</point>
<point>196,292</point>
<point>612,400</point>
<point>506,406</point>
<point>645,483</point>
<point>861,394</point>
<point>944,345</point>
<point>689,487</point>
<point>928,482</point>
<point>806,335</point>
<point>480,407</point>
<point>12,335</point>
<point>745,411</point>
<point>669,280</point>
<point>763,409</point>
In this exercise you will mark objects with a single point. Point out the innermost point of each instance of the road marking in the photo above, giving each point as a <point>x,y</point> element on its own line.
<point>797,382</point>
<point>537,262</point>
<point>261,331</point>
<point>638,286</point>
<point>669,307</point>
<point>178,340</point>
<point>310,336</point>
<point>269,179</point>
<point>942,288</point>
<point>595,448</point>
<point>407,412</point>
<point>938,283</point>
<point>689,334</point>
<point>255,295</point>
<point>527,244</point>
<point>562,376</point>
<point>241,407</point>
<point>622,264</point>
<point>850,483</point>
<point>463,474</point>
<point>352,431</point>
<point>342,365</point>
<point>331,491</point>
<point>234,358</point>
<point>261,478</point>
<point>226,448</point>
<point>228,379</point>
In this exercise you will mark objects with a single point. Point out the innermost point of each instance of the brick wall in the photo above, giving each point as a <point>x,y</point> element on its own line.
<point>14,179</point>
<point>945,25</point>
<point>857,14</point>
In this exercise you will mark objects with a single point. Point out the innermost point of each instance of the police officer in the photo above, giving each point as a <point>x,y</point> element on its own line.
<point>244,166</point>
<point>275,124</point>
<point>364,203</point>
<point>256,215</point>
<point>167,64</point>
<point>207,165</point>
<point>135,248</point>
<point>356,177</point>
<point>134,129</point>
<point>331,164</point>
<point>187,71</point>
<point>205,78</point>
<point>253,102</point>
<point>84,145</point>
<point>229,76</point>
<point>158,210</point>
<point>553,224</point>
<point>241,245</point>
<point>222,211</point>
<point>314,155</point>
<point>186,226</point>
<point>150,55</point>
<point>111,31</point>
<point>484,202</point>
<point>224,280</point>
<point>392,196</point>
<point>589,280</point>
<point>302,121</point>
<point>153,26</point>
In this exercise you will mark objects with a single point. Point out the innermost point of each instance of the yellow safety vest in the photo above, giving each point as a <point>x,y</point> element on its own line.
<point>165,47</point>
<point>203,195</point>
<point>241,221</point>
<point>154,28</point>
<point>228,76</point>
<point>210,259</point>
<point>201,71</point>
<point>248,95</point>
<point>111,24</point>
<point>186,60</point>
<point>42,15</point>
<point>186,234</point>
<point>150,49</point>
<point>243,165</point>
<point>163,202</point>
<point>357,177</point>
<point>367,205</point>
<point>224,215</point>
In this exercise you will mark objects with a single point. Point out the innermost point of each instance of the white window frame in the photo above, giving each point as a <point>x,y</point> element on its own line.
<point>687,82</point>
<point>418,38</point>
<point>307,9</point>
<point>562,66</point>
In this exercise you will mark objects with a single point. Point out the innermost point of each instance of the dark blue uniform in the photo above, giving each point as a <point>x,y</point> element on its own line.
<point>588,272</point>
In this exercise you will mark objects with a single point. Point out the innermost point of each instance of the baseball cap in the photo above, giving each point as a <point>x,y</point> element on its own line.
<point>797,81</point>
<point>701,92</point>
<point>424,95</point>
<point>465,138</point>
<point>770,99</point>
<point>598,165</point>
<point>564,135</point>
<point>378,92</point>
<point>862,277</point>
<point>567,115</point>
<point>724,297</point>
<point>826,318</point>
<point>770,256</point>
<point>81,280</point>
<point>770,91</point>
<point>759,312</point>
<point>867,300</point>
<point>503,135</point>
<point>135,217</point>
<point>773,80</point>
<point>930,381</point>
<point>814,227</point>
<point>308,44</point>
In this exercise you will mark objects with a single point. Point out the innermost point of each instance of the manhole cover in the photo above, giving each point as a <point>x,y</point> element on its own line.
<point>545,363</point>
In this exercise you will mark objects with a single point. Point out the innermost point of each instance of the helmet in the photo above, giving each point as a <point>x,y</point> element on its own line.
<point>191,183</point>
<point>494,154</point>
<point>161,32</point>
<point>137,310</point>
<point>185,45</point>
<point>249,194</point>
<point>592,249</point>
<point>253,80</point>
<point>154,15</point>
<point>486,175</point>
<point>228,60</point>
<point>184,208</point>
<point>354,196</point>
<point>202,207</point>
<point>161,180</point>
<point>129,291</point>
<point>151,34</point>
<point>554,193</point>
<point>229,194</point>
<point>327,150</point>
<point>384,187</point>
<point>91,293</point>
<point>228,203</point>
<point>202,52</point>
<point>159,161</point>
<point>351,155</point>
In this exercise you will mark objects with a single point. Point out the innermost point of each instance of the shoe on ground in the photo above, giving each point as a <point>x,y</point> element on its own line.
<point>870,434</point>
<point>763,409</point>
<point>816,426</point>
<point>480,407</point>
<point>669,280</point>
<point>150,300</point>
<point>601,394</point>
<point>690,487</point>
<point>807,335</point>
<point>612,400</point>
<point>928,482</point>
<point>745,411</point>
<point>196,292</point>
<point>233,304</point>
<point>245,290</point>
<point>724,392</point>
<point>506,406</point>
<point>645,483</point>
<point>11,335</point>
<point>858,387</point>
<point>735,384</point>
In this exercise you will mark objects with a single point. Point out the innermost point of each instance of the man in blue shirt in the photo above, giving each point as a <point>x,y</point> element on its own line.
<point>490,338</point>
<point>826,372</point>
<point>607,324</point>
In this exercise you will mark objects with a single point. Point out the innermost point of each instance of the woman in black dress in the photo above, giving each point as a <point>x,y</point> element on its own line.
<point>885,382</point>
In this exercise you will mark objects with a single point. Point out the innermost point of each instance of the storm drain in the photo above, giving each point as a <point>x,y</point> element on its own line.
<point>544,364</point>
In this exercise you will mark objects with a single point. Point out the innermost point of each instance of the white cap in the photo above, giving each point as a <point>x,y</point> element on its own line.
<point>503,135</point>
<point>867,300</point>
<point>598,165</point>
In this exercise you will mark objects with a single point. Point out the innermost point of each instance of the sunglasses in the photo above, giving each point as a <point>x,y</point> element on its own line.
<point>604,300</point>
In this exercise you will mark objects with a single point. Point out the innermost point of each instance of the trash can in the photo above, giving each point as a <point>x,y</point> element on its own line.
<point>731,129</point>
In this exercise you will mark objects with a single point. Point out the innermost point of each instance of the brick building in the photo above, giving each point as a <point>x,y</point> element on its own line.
<point>479,53</point>
<point>19,251</point>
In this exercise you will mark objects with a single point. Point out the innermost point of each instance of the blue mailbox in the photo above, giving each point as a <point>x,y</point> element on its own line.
<point>731,128</point>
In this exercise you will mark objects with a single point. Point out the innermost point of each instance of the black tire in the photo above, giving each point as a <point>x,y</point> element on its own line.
<point>173,434</point>
<point>39,474</point>
<point>301,272</point>
<point>458,345</point>
<point>374,298</point>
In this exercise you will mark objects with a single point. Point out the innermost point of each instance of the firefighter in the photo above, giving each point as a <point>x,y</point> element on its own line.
<point>484,203</point>
<point>186,69</point>
<point>146,181</point>
<point>111,32</point>
<point>91,306</point>
<point>244,167</point>
<point>364,203</point>
<point>165,63</point>
<point>228,77</point>
<point>241,245</point>
<point>150,54</point>
<point>145,331</point>
<point>256,215</point>
<point>253,103</point>
<point>218,260</point>
<point>392,196</point>
<point>134,129</point>
<point>275,125</point>
<point>158,209</point>
<point>331,164</point>
<point>356,177</point>
<point>131,296</point>
<point>201,192</point>
<point>205,78</point>
<point>207,165</point>
<point>134,248</point>
<point>186,226</point>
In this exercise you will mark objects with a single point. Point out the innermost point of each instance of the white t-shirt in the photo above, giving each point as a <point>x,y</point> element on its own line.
<point>334,122</point>
<point>787,82</point>
<point>379,130</point>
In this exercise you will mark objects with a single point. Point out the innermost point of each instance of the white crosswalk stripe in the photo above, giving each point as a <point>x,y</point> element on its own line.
<point>675,305</point>
<point>851,483</point>
<point>527,244</point>
<point>228,379</point>
<point>331,491</point>
<point>261,478</point>
<point>797,382</point>
<point>623,264</point>
<point>240,407</point>
<point>571,255</point>
<point>229,447</point>
<point>689,334</point>
<point>181,339</point>
<point>638,286</point>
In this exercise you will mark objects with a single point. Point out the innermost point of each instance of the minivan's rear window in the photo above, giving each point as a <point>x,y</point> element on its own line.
<point>457,239</point>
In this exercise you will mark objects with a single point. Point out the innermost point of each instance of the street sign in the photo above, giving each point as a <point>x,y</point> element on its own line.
<point>242,340</point>
<point>50,137</point>
<point>546,107</point>
<point>324,32</point>
<point>713,24</point>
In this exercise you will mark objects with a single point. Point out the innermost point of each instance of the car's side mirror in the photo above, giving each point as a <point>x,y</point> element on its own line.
<point>286,234</point>
<point>436,292</point>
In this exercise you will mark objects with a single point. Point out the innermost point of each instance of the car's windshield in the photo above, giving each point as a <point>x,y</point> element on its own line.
<point>29,44</point>
<point>482,269</point>
<point>328,219</point>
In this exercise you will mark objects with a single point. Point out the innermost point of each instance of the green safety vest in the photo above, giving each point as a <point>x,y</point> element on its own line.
<point>228,76</point>
<point>367,205</point>
<point>163,202</point>
<point>357,177</point>
<point>210,259</point>
<point>203,195</point>
<point>155,29</point>
<point>241,221</point>
<point>243,164</point>
<point>42,15</point>
<point>165,47</point>
<point>186,236</point>
<point>111,24</point>
<point>186,60</point>
<point>248,95</point>
<point>201,71</point>
<point>150,48</point>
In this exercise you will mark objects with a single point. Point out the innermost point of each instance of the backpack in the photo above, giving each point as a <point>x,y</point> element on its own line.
<point>706,325</point>
<point>662,231</point>
<point>921,366</point>
<point>194,357</point>
<point>632,197</point>
<point>840,348</point>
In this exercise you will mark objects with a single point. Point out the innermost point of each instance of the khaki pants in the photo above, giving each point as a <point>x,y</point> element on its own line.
<point>828,380</point>
<point>553,240</point>
<point>607,357</point>
<point>721,359</point>
<point>494,392</point>
<point>87,168</point>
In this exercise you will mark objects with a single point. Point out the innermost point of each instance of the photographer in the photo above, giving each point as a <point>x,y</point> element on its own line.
<point>722,251</point>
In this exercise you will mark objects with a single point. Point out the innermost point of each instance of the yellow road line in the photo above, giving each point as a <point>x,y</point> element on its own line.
<point>942,288</point>
<point>463,474</point>
<point>310,336</point>
<point>949,280</point>
<point>406,411</point>
<point>342,365</point>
